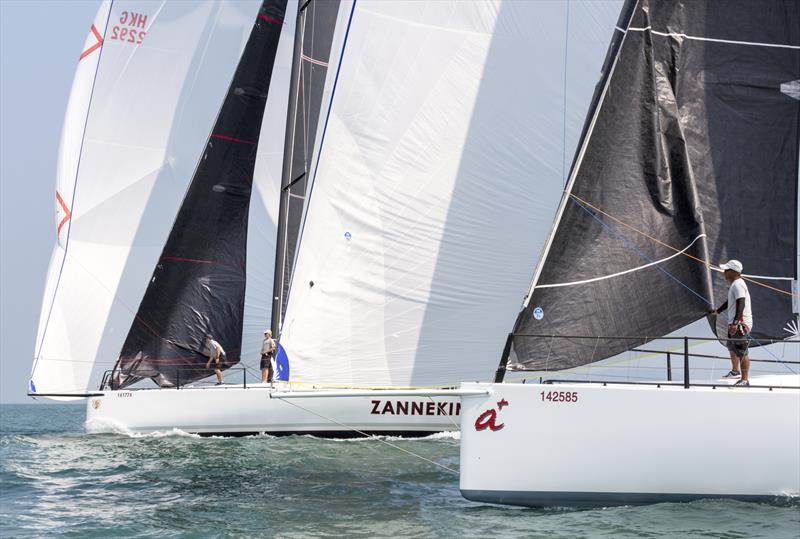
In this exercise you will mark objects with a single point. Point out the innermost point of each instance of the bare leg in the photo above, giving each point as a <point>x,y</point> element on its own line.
<point>745,366</point>
<point>734,362</point>
<point>219,375</point>
<point>264,375</point>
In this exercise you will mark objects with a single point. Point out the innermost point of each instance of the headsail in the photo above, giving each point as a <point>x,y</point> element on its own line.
<point>440,165</point>
<point>148,84</point>
<point>198,284</point>
<point>316,23</point>
<point>691,158</point>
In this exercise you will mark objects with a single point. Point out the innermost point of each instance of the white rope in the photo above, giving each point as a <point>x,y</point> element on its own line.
<point>655,262</point>
<point>373,437</point>
<point>711,39</point>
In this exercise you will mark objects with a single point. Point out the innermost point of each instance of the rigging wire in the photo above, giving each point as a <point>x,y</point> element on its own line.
<point>373,437</point>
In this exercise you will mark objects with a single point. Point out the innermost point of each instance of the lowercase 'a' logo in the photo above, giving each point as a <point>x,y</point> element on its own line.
<point>488,419</point>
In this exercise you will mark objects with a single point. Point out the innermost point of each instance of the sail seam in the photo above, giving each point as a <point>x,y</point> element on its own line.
<point>710,39</point>
<point>604,277</point>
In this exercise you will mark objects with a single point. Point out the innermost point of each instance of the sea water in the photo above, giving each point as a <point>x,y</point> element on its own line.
<point>55,481</point>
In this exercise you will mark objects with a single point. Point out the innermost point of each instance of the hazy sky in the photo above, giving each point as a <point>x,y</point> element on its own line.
<point>40,41</point>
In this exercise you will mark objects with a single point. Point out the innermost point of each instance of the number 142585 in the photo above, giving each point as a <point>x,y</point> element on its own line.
<point>559,396</point>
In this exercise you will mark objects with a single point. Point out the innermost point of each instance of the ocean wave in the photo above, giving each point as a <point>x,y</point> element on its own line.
<point>109,426</point>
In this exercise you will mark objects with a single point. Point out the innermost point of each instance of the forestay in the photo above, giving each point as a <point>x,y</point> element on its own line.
<point>147,89</point>
<point>441,160</point>
<point>690,159</point>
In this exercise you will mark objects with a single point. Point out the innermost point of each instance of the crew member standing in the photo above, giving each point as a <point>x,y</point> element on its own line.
<point>740,321</point>
<point>267,353</point>
<point>216,355</point>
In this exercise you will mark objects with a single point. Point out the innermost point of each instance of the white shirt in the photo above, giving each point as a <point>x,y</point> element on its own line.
<point>738,290</point>
<point>213,346</point>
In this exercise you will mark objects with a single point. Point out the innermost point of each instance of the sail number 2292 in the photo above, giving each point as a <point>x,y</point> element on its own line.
<point>559,396</point>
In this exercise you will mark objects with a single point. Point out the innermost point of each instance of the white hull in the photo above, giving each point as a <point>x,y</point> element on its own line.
<point>629,444</point>
<point>234,410</point>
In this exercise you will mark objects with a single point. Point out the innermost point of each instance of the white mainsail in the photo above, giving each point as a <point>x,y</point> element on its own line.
<point>148,87</point>
<point>441,163</point>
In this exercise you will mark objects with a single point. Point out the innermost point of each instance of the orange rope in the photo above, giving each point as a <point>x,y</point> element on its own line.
<point>626,225</point>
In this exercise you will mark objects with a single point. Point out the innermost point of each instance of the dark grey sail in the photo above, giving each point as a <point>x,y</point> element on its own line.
<point>316,21</point>
<point>690,158</point>
<point>198,285</point>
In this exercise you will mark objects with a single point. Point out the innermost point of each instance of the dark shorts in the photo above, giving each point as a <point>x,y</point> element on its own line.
<point>739,344</point>
<point>219,364</point>
<point>265,361</point>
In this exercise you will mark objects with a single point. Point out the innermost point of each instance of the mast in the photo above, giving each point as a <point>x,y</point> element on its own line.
<point>315,19</point>
<point>286,179</point>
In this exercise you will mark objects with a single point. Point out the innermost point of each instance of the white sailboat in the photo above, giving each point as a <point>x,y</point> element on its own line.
<point>690,158</point>
<point>417,169</point>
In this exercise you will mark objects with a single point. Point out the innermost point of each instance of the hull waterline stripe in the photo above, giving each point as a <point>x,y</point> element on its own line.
<point>545,498</point>
<point>585,281</point>
<point>380,393</point>
<point>710,39</point>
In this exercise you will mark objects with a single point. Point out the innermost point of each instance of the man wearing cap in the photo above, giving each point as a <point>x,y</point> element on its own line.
<point>267,352</point>
<point>740,321</point>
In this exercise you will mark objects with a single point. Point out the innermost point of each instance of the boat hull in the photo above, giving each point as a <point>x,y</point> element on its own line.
<point>238,411</point>
<point>624,444</point>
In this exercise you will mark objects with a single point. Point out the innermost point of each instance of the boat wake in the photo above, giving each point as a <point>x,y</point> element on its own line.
<point>107,426</point>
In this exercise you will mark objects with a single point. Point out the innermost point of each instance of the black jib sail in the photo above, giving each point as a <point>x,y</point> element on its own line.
<point>690,158</point>
<point>198,284</point>
<point>316,21</point>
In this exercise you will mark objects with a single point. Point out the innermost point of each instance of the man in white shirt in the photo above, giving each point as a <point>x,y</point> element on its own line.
<point>216,355</point>
<point>267,353</point>
<point>739,313</point>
